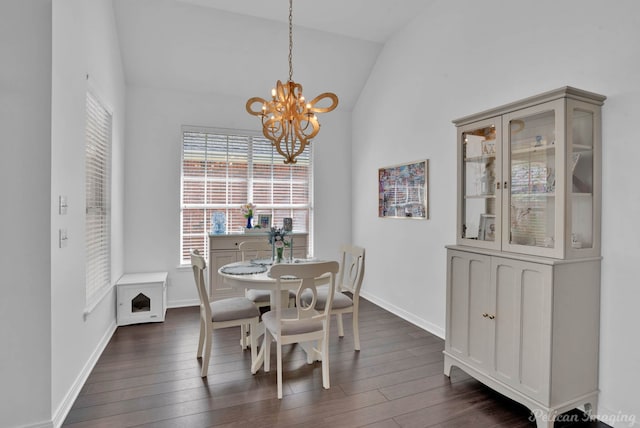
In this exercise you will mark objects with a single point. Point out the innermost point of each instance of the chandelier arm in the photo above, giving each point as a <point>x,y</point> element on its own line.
<point>250,104</point>
<point>307,137</point>
<point>303,143</point>
<point>274,130</point>
<point>331,96</point>
<point>287,149</point>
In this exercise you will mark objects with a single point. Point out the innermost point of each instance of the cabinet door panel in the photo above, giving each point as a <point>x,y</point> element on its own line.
<point>458,301</point>
<point>522,325</point>
<point>479,324</point>
<point>467,329</point>
<point>507,320</point>
<point>536,330</point>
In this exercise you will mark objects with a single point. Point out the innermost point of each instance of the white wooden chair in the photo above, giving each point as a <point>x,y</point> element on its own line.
<point>255,250</point>
<point>349,279</point>
<point>230,312</point>
<point>302,323</point>
<point>250,250</point>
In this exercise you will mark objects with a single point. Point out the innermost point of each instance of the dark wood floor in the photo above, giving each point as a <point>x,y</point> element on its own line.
<point>149,376</point>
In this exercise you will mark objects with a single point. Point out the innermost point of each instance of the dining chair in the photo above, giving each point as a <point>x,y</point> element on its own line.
<point>302,323</point>
<point>349,280</point>
<point>250,250</point>
<point>229,312</point>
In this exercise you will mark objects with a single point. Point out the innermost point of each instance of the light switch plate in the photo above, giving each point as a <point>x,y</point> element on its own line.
<point>62,238</point>
<point>62,205</point>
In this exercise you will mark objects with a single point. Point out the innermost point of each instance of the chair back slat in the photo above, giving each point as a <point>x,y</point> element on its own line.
<point>351,269</point>
<point>307,274</point>
<point>199,264</point>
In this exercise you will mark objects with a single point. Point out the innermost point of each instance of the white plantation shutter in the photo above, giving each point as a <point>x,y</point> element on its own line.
<point>223,169</point>
<point>98,201</point>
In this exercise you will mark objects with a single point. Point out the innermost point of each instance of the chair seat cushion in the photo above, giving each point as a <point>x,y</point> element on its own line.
<point>259,296</point>
<point>340,300</point>
<point>264,296</point>
<point>270,321</point>
<point>234,308</point>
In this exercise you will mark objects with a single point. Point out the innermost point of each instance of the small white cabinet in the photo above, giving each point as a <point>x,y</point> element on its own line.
<point>141,297</point>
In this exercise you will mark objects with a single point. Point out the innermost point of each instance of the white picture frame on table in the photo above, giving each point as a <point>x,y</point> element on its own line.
<point>264,221</point>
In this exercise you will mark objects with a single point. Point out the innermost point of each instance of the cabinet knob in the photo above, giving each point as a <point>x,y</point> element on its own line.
<point>498,185</point>
<point>505,185</point>
<point>491,317</point>
<point>485,315</point>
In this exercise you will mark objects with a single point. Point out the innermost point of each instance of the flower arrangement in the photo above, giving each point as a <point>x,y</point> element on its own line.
<point>247,209</point>
<point>277,241</point>
<point>276,237</point>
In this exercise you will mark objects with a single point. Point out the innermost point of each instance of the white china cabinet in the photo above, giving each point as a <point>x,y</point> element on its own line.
<point>523,281</point>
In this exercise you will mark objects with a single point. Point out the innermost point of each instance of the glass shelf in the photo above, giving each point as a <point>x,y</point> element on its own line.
<point>480,196</point>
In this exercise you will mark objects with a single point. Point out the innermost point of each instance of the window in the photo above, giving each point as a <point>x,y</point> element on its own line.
<point>223,169</point>
<point>98,201</point>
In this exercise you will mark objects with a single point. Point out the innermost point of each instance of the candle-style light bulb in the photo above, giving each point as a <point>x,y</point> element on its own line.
<point>273,92</point>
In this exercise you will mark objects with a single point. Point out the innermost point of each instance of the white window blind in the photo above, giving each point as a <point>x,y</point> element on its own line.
<point>98,201</point>
<point>223,169</point>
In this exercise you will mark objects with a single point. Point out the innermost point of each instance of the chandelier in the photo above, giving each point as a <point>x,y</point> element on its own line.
<point>287,119</point>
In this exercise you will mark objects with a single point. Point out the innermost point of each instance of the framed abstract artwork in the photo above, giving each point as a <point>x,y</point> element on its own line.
<point>403,190</point>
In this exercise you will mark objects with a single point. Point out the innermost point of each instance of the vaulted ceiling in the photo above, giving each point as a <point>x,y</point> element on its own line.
<point>240,47</point>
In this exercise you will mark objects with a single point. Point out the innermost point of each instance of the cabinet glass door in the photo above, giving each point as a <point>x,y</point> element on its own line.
<point>581,173</point>
<point>480,175</point>
<point>533,160</point>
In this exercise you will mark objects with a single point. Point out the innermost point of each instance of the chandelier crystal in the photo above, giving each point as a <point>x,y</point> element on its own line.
<point>288,120</point>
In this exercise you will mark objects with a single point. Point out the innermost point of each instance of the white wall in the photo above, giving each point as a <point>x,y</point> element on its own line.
<point>84,43</point>
<point>25,183</point>
<point>466,56</point>
<point>152,175</point>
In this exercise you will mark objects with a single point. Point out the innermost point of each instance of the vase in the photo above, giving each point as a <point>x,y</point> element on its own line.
<point>249,226</point>
<point>279,255</point>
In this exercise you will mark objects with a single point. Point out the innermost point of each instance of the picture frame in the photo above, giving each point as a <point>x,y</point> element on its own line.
<point>487,229</point>
<point>264,221</point>
<point>403,190</point>
<point>287,224</point>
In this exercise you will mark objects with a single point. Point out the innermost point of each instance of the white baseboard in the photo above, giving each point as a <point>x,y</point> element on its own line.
<point>45,424</point>
<point>183,303</point>
<point>407,316</point>
<point>617,419</point>
<point>63,410</point>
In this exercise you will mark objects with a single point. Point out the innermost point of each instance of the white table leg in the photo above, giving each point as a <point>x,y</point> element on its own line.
<point>312,353</point>
<point>260,357</point>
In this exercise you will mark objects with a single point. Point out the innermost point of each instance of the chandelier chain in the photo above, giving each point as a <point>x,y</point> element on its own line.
<point>290,40</point>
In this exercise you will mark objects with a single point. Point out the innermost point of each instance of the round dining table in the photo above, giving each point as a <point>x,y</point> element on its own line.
<point>255,275</point>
